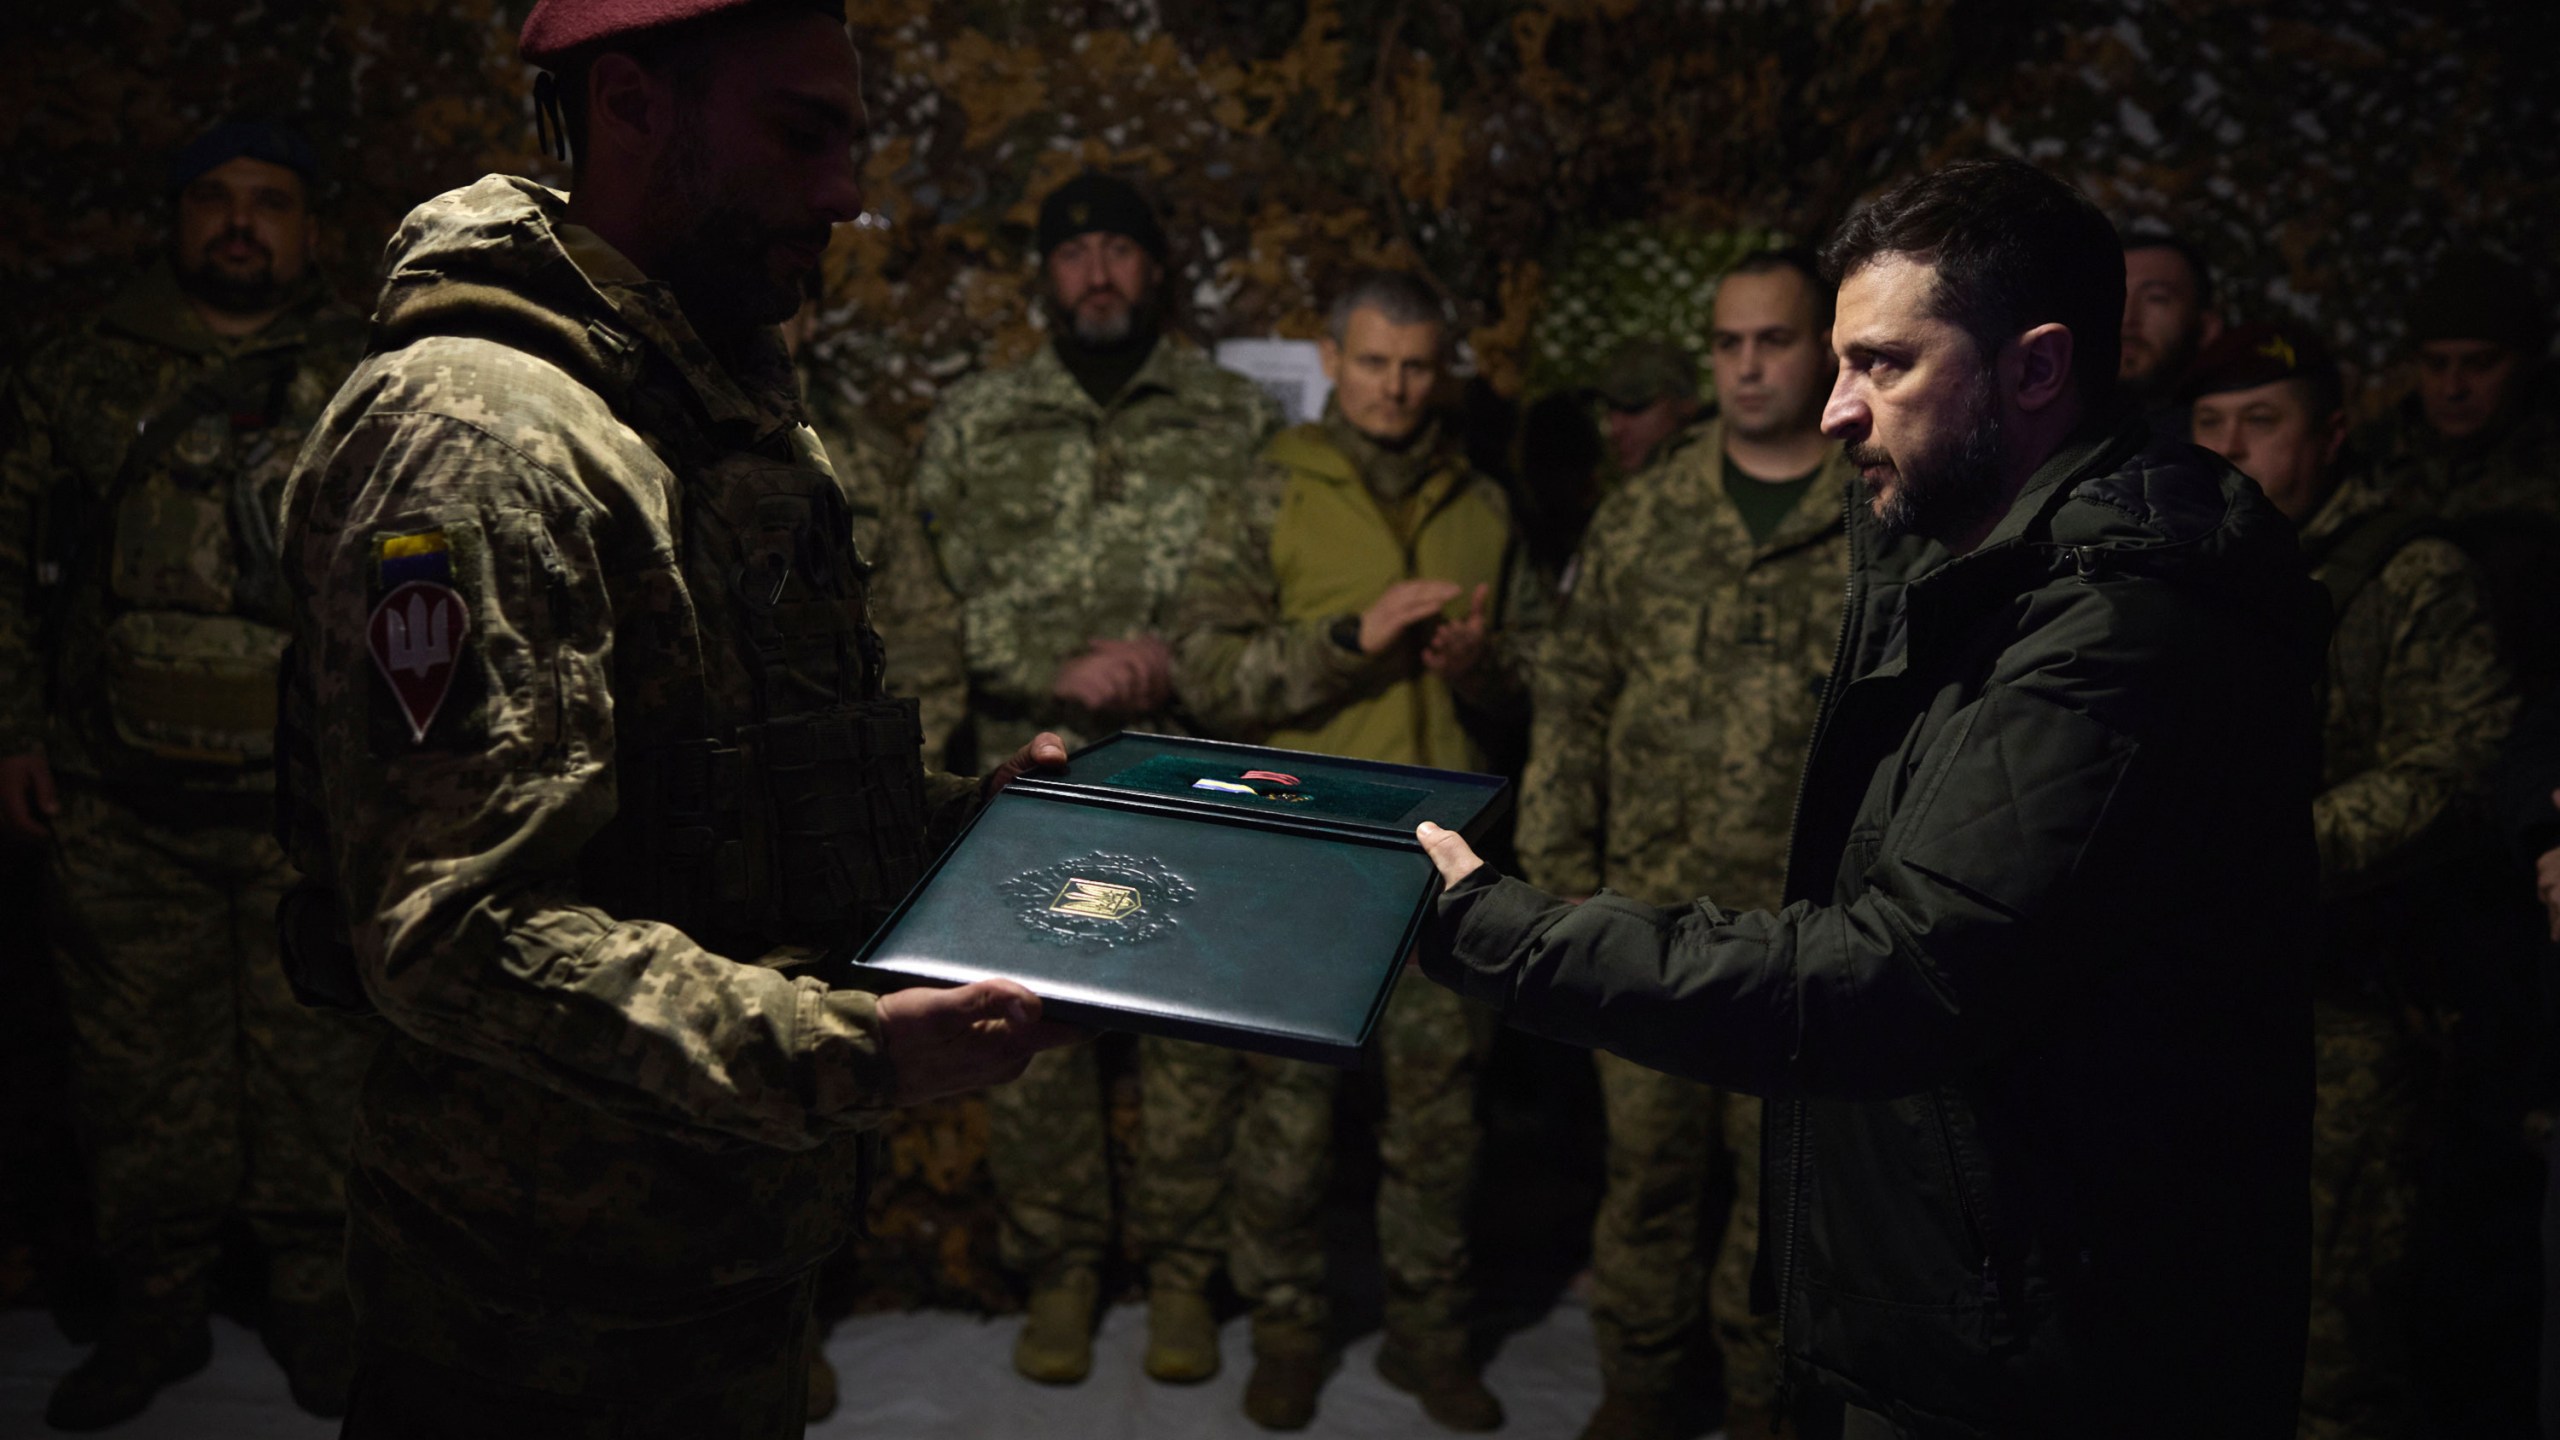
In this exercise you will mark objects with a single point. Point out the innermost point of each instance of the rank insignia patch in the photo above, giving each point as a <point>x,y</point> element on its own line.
<point>418,627</point>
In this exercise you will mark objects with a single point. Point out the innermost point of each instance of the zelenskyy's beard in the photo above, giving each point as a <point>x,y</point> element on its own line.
<point>1950,492</point>
<point>254,293</point>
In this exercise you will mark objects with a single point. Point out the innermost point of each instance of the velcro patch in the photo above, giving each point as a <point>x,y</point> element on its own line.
<point>419,627</point>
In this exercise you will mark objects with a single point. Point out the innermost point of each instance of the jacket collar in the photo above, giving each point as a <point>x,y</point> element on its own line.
<point>156,311</point>
<point>1052,385</point>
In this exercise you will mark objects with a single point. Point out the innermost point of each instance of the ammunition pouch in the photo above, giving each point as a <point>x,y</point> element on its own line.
<point>192,689</point>
<point>809,826</point>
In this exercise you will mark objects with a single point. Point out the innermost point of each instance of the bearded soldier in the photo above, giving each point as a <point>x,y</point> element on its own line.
<point>146,455</point>
<point>588,748</point>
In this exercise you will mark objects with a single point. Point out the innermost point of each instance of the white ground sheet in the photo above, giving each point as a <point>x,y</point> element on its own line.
<point>930,1376</point>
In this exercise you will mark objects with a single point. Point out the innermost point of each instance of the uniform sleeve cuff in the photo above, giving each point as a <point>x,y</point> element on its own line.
<point>1482,927</point>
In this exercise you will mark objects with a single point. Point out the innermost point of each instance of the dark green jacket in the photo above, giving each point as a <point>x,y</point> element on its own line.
<point>2034,1020</point>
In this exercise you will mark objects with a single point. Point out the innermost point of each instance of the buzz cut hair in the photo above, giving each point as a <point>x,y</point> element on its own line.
<point>1404,297</point>
<point>1805,263</point>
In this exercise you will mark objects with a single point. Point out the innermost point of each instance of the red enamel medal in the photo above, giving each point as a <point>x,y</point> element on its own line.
<point>416,636</point>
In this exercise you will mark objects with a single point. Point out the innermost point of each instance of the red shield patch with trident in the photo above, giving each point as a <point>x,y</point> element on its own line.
<point>416,637</point>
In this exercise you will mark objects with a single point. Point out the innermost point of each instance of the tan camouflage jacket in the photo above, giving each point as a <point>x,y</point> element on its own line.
<point>585,1121</point>
<point>1679,688</point>
<point>1305,546</point>
<point>911,605</point>
<point>167,649</point>
<point>2419,700</point>
<point>1060,521</point>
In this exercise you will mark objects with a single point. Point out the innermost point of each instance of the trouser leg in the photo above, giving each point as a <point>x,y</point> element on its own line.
<point>1188,1100</point>
<point>1048,1156</point>
<point>1748,1342</point>
<point>1429,1147</point>
<point>301,1069</point>
<point>1647,1274</point>
<point>2364,1120</point>
<point>147,969</point>
<point>1281,1164</point>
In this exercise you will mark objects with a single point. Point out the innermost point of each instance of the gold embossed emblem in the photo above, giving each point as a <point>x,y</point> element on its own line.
<point>1096,900</point>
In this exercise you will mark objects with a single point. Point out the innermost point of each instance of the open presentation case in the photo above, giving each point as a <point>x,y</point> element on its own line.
<point>1253,898</point>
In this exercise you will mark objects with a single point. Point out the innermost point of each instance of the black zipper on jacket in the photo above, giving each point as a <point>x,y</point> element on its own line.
<point>1795,1108</point>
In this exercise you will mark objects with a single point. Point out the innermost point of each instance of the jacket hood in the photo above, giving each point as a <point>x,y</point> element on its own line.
<point>499,260</point>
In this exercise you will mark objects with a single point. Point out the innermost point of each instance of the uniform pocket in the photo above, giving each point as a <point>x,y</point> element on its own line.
<point>198,688</point>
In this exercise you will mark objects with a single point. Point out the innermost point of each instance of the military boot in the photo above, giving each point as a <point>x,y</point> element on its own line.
<point>314,1342</point>
<point>1288,1373</point>
<point>1444,1381</point>
<point>1637,1415</point>
<point>1056,1344</point>
<point>136,1356</point>
<point>1182,1336</point>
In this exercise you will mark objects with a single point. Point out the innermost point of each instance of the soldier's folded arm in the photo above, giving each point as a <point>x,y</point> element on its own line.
<point>1940,962</point>
<point>2448,701</point>
<point>1240,666</point>
<point>460,860</point>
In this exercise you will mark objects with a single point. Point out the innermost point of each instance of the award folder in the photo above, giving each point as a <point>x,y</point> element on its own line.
<point>1254,898</point>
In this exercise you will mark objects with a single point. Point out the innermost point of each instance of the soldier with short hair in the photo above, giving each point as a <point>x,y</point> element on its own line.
<point>2418,702</point>
<point>588,760</point>
<point>1063,495</point>
<point>141,615</point>
<point>1673,706</point>
<point>2168,317</point>
<point>1365,593</point>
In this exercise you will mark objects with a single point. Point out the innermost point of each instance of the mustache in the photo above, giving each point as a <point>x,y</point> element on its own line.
<point>1868,456</point>
<point>245,236</point>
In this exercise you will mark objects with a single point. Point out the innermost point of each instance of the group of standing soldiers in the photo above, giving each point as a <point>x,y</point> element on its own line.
<point>1113,534</point>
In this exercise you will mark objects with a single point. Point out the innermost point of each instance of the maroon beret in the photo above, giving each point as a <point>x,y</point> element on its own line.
<point>2248,356</point>
<point>557,27</point>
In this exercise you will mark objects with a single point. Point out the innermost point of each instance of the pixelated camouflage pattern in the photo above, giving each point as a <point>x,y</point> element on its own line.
<point>1673,707</point>
<point>162,646</point>
<point>911,607</point>
<point>1431,1045</point>
<point>2369,1086</point>
<point>1050,1154</point>
<point>203,1092</point>
<point>1307,541</point>
<point>1061,521</point>
<point>595,1155</point>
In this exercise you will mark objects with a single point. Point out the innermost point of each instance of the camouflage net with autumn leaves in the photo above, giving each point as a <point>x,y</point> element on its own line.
<point>1572,170</point>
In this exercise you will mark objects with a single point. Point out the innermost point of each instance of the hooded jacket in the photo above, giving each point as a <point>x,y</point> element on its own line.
<point>600,1149</point>
<point>2034,1018</point>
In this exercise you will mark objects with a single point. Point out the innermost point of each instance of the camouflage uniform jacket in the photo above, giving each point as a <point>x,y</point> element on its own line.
<point>911,605</point>
<point>590,1131</point>
<point>2510,467</point>
<point>1304,547</point>
<point>170,632</point>
<point>1680,685</point>
<point>1061,521</point>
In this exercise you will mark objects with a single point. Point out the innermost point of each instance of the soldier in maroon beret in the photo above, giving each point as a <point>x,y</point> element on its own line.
<point>589,755</point>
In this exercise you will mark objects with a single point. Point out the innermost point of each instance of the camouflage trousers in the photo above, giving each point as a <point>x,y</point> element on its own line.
<point>201,1089</point>
<point>1429,1144</point>
<point>2369,1080</point>
<point>1048,1153</point>
<point>1647,1268</point>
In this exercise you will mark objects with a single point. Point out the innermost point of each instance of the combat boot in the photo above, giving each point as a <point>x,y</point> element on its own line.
<point>1636,1415</point>
<point>1182,1336</point>
<point>1056,1344</point>
<point>1288,1373</point>
<point>134,1359</point>
<point>314,1342</point>
<point>1448,1386</point>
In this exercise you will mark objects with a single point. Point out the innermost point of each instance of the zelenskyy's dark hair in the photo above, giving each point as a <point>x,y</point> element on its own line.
<point>2013,248</point>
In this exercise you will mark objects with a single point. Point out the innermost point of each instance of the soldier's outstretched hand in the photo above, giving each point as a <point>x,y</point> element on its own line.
<point>27,800</point>
<point>944,1042</point>
<point>1045,752</point>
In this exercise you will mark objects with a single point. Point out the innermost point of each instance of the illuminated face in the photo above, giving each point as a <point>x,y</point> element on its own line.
<point>1383,373</point>
<point>1772,364</point>
<point>2463,384</point>
<point>1100,283</point>
<point>1914,403</point>
<point>2269,434</point>
<point>244,235</point>
<point>768,166</point>
<point>2164,318</point>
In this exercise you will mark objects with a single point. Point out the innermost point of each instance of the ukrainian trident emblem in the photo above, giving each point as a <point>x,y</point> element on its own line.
<point>416,636</point>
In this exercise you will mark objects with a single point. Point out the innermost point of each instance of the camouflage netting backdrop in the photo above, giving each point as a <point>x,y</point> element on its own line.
<point>1571,169</point>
